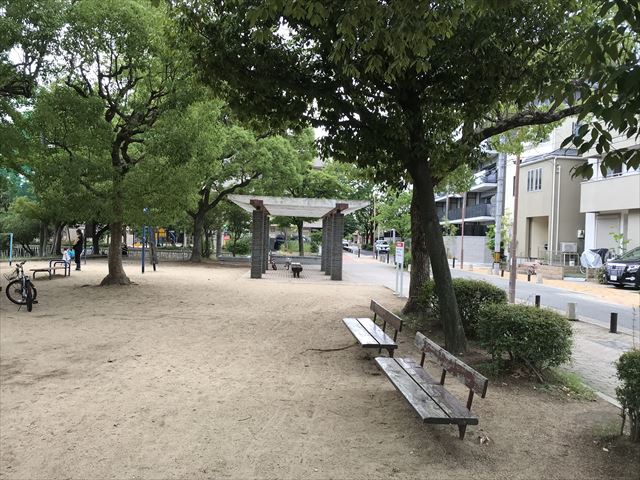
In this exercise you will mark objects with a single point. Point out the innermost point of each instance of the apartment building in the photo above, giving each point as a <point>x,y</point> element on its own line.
<point>611,204</point>
<point>478,208</point>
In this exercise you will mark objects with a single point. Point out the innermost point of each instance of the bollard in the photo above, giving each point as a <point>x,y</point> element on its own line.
<point>387,257</point>
<point>537,301</point>
<point>613,323</point>
<point>454,262</point>
<point>528,276</point>
<point>502,272</point>
<point>571,311</point>
<point>358,251</point>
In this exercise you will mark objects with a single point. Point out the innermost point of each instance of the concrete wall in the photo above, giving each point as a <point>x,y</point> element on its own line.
<point>475,249</point>
<point>612,193</point>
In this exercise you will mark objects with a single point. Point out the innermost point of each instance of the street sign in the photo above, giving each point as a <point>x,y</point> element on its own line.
<point>400,252</point>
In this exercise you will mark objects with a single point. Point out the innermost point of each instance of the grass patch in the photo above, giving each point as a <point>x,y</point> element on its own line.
<point>569,384</point>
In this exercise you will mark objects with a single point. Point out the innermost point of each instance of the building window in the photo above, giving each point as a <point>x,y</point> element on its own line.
<point>534,180</point>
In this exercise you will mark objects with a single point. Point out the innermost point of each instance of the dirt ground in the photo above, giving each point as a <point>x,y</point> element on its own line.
<point>201,372</point>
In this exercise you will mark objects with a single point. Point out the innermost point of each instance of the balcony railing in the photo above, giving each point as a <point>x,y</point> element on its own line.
<point>472,211</point>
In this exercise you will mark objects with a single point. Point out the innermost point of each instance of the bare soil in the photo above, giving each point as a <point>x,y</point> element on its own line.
<point>201,372</point>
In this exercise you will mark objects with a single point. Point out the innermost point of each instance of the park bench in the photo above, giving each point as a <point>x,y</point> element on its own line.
<point>428,396</point>
<point>296,268</point>
<point>370,335</point>
<point>53,266</point>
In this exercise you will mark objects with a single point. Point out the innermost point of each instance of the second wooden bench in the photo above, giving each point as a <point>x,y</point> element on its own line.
<point>428,396</point>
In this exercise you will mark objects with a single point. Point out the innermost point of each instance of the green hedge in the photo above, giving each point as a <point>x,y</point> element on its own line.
<point>471,295</point>
<point>533,338</point>
<point>628,392</point>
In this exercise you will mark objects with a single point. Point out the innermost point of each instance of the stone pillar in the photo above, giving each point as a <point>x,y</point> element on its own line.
<point>265,258</point>
<point>257,244</point>
<point>328,264</point>
<point>219,234</point>
<point>336,248</point>
<point>323,257</point>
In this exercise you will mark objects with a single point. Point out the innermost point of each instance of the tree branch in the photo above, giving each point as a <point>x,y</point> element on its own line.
<point>518,120</point>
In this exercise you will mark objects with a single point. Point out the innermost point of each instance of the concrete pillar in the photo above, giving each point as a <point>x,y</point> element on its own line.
<point>336,247</point>
<point>219,243</point>
<point>323,257</point>
<point>257,244</point>
<point>265,251</point>
<point>590,230</point>
<point>329,246</point>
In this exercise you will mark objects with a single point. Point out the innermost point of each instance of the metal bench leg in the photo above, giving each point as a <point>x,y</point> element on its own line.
<point>462,429</point>
<point>390,353</point>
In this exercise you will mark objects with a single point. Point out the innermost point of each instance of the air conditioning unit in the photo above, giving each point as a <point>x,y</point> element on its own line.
<point>568,247</point>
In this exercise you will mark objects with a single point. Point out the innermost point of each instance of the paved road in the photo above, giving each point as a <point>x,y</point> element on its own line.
<point>589,308</point>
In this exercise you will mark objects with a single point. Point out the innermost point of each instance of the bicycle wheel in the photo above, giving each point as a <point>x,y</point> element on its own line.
<point>29,295</point>
<point>14,292</point>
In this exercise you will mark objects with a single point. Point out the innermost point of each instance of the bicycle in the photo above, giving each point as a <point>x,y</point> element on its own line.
<point>20,289</point>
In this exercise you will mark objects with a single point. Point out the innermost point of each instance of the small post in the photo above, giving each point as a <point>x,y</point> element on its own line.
<point>454,263</point>
<point>387,257</point>
<point>10,248</point>
<point>537,301</point>
<point>502,272</point>
<point>144,234</point>
<point>613,323</point>
<point>571,311</point>
<point>528,276</point>
<point>358,251</point>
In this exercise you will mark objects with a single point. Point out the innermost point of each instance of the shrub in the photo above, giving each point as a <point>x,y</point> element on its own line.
<point>241,247</point>
<point>533,338</point>
<point>628,392</point>
<point>471,295</point>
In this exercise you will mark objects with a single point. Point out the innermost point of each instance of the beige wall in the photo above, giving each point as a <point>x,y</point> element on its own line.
<point>537,234</point>
<point>634,229</point>
<point>605,226</point>
<point>613,193</point>
<point>570,220</point>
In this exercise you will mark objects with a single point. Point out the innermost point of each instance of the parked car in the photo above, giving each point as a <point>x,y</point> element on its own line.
<point>382,246</point>
<point>625,269</point>
<point>345,244</point>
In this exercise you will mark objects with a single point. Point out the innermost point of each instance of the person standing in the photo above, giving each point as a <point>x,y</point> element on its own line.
<point>77,247</point>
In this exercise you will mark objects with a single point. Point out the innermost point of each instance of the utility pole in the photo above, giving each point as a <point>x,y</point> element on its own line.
<point>514,235</point>
<point>502,165</point>
<point>464,207</point>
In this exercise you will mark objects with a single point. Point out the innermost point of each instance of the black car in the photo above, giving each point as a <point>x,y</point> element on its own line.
<point>625,270</point>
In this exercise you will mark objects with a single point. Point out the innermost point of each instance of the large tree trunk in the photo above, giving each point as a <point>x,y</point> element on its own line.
<point>56,248</point>
<point>420,269</point>
<point>299,224</point>
<point>44,238</point>
<point>427,216</point>
<point>198,229</point>
<point>116,275</point>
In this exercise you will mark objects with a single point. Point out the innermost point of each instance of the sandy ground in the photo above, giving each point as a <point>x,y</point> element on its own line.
<point>201,372</point>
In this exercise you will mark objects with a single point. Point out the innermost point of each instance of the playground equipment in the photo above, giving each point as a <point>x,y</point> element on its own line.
<point>10,235</point>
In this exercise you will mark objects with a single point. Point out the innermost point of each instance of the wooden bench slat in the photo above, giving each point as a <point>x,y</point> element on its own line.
<point>472,379</point>
<point>360,333</point>
<point>376,332</point>
<point>412,392</point>
<point>457,412</point>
